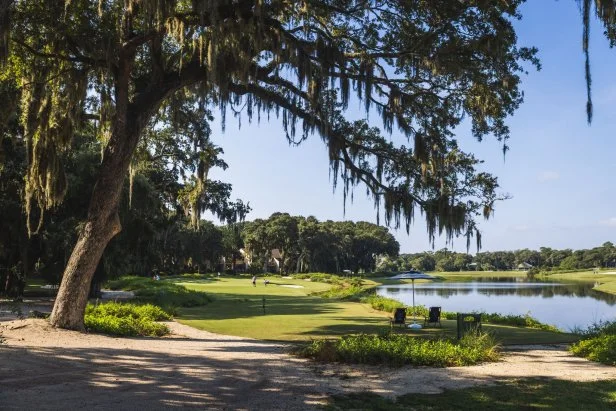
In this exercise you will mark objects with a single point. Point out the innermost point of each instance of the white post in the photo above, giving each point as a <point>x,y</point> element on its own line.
<point>413,281</point>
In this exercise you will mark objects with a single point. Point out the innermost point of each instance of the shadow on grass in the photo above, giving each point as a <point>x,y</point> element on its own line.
<point>243,306</point>
<point>503,334</point>
<point>233,306</point>
<point>532,394</point>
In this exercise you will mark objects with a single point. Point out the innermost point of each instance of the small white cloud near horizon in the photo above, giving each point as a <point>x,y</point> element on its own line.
<point>610,222</point>
<point>548,176</point>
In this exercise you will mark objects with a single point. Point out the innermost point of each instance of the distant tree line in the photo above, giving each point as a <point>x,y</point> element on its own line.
<point>306,244</point>
<point>160,209</point>
<point>545,259</point>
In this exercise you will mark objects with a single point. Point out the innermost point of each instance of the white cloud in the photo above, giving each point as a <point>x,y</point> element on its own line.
<point>521,227</point>
<point>548,176</point>
<point>610,222</point>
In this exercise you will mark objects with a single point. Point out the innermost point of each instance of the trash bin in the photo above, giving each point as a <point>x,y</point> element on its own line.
<point>468,322</point>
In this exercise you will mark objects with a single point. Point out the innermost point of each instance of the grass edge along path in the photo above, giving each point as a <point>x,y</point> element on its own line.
<point>518,394</point>
<point>398,350</point>
<point>598,343</point>
<point>293,313</point>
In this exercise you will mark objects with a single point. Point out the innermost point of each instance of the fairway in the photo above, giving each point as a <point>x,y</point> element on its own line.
<point>293,314</point>
<point>605,281</point>
<point>290,313</point>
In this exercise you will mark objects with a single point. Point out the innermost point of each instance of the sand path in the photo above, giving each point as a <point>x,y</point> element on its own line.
<point>46,368</point>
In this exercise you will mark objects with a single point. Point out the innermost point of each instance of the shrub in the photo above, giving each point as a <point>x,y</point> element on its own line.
<point>533,272</point>
<point>126,319</point>
<point>598,343</point>
<point>419,310</point>
<point>320,278</point>
<point>163,293</point>
<point>124,310</point>
<point>381,303</point>
<point>343,291</point>
<point>601,348</point>
<point>398,350</point>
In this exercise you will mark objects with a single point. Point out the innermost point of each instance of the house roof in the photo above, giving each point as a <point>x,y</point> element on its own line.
<point>276,253</point>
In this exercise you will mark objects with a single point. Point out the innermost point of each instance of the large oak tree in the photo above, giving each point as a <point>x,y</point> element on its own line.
<point>422,65</point>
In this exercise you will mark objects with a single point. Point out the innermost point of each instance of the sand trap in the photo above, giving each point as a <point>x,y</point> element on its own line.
<point>290,286</point>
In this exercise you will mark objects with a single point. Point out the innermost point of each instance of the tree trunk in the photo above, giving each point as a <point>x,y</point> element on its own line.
<point>69,308</point>
<point>103,222</point>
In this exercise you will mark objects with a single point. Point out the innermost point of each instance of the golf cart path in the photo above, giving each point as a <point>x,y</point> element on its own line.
<point>46,368</point>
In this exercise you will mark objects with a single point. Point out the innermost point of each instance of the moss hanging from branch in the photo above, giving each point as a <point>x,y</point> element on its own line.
<point>422,67</point>
<point>52,108</point>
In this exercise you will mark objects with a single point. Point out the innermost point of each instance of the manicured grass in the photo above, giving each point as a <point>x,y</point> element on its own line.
<point>527,394</point>
<point>474,274</point>
<point>33,288</point>
<point>607,282</point>
<point>290,313</point>
<point>164,293</point>
<point>293,314</point>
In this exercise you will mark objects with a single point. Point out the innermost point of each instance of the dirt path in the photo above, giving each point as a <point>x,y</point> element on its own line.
<point>45,368</point>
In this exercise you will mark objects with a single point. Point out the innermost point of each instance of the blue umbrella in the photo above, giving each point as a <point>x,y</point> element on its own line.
<point>413,275</point>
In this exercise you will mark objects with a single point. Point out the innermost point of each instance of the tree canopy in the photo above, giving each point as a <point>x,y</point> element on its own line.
<point>422,66</point>
<point>306,244</point>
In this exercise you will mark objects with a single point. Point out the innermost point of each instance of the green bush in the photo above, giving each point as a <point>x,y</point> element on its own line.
<point>163,292</point>
<point>598,343</point>
<point>123,310</point>
<point>398,350</point>
<point>126,319</point>
<point>419,311</point>
<point>320,278</point>
<point>343,291</point>
<point>381,303</point>
<point>601,348</point>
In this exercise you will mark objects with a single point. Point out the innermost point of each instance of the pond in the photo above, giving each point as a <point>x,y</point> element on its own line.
<point>565,305</point>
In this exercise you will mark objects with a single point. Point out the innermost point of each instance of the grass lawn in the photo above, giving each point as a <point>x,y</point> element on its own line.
<point>531,394</point>
<point>453,276</point>
<point>607,282</point>
<point>292,314</point>
<point>470,275</point>
<point>33,288</point>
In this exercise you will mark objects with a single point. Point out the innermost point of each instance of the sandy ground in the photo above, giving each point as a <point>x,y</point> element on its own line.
<point>45,368</point>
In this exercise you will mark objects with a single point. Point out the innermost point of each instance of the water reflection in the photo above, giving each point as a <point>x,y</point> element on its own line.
<point>545,290</point>
<point>566,305</point>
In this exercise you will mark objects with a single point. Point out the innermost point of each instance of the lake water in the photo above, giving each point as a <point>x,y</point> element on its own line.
<point>564,305</point>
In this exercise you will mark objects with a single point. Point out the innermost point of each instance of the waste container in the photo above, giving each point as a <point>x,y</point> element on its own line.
<point>468,322</point>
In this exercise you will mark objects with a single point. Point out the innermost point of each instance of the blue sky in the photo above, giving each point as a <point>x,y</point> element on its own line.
<point>558,169</point>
